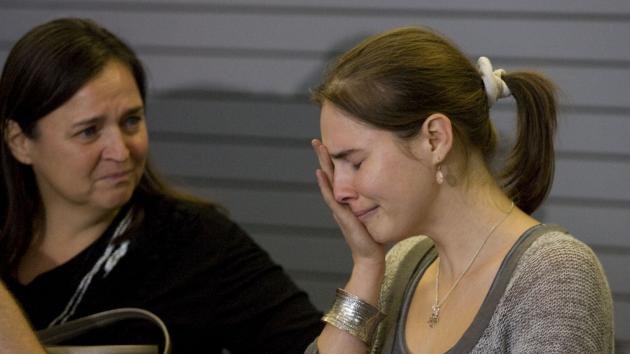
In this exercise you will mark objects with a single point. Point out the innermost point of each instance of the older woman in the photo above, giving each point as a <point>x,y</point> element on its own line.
<point>86,225</point>
<point>406,144</point>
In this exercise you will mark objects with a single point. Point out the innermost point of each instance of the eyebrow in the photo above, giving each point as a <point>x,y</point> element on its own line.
<point>94,120</point>
<point>86,122</point>
<point>134,110</point>
<point>342,155</point>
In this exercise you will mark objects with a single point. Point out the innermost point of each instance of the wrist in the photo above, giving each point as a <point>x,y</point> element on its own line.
<point>365,281</point>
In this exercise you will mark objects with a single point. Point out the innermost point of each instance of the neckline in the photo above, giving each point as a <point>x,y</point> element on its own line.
<point>480,322</point>
<point>79,260</point>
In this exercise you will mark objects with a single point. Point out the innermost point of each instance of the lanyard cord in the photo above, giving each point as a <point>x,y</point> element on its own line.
<point>112,254</point>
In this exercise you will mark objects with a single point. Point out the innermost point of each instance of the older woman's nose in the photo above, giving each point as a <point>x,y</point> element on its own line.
<point>115,146</point>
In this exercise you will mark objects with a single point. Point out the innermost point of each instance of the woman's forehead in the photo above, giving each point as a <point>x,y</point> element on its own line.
<point>342,132</point>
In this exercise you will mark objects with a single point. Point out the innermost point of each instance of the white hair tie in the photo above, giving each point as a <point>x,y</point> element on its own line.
<point>495,86</point>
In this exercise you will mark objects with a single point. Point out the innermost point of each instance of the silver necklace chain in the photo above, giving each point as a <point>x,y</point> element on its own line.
<point>435,309</point>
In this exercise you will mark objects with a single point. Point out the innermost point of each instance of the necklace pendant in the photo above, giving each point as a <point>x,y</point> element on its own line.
<point>435,316</point>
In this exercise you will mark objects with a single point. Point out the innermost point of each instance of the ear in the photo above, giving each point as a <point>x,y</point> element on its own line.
<point>438,131</point>
<point>18,142</point>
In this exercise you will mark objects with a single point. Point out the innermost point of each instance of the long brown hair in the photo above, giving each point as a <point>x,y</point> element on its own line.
<point>396,79</point>
<point>45,68</point>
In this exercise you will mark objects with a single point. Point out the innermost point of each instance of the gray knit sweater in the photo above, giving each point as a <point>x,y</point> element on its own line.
<point>550,295</point>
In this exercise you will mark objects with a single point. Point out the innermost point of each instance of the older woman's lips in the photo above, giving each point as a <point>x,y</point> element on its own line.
<point>117,176</point>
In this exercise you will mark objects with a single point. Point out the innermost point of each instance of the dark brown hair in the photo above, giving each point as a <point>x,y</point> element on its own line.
<point>396,79</point>
<point>45,68</point>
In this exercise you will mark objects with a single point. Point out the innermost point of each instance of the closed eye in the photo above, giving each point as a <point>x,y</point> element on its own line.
<point>354,157</point>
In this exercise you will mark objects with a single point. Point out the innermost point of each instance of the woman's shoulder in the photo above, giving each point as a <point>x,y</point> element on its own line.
<point>184,211</point>
<point>557,249</point>
<point>189,236</point>
<point>188,222</point>
<point>560,275</point>
<point>557,262</point>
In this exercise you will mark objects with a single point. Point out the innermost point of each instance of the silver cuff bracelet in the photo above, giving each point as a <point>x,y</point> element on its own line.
<point>353,315</point>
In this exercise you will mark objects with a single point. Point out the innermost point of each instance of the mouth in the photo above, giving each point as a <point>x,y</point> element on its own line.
<point>116,176</point>
<point>365,213</point>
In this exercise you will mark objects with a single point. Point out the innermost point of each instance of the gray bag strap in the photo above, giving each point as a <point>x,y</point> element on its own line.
<point>71,329</point>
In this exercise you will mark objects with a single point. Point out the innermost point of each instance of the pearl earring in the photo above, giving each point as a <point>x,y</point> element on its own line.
<point>439,176</point>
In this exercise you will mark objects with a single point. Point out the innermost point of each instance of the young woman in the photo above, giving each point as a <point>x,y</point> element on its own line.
<point>406,144</point>
<point>85,225</point>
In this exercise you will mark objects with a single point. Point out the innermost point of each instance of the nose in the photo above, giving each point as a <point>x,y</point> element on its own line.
<point>115,146</point>
<point>343,187</point>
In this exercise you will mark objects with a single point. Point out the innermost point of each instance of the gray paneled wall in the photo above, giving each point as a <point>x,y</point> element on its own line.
<point>230,117</point>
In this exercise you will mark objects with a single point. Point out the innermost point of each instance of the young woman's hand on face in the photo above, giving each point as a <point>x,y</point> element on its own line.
<point>367,254</point>
<point>365,251</point>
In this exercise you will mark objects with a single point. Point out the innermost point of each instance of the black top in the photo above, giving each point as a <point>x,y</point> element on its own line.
<point>198,271</point>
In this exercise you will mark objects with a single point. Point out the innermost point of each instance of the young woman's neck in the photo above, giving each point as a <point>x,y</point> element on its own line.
<point>474,218</point>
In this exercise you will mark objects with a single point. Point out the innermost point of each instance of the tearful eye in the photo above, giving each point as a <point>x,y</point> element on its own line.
<point>88,133</point>
<point>132,122</point>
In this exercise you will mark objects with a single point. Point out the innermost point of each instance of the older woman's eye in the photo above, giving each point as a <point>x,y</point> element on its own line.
<point>88,132</point>
<point>131,123</point>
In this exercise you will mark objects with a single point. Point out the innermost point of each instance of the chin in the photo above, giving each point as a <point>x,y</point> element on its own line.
<point>385,235</point>
<point>115,200</point>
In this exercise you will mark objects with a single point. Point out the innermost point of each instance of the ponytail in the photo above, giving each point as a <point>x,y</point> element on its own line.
<point>528,174</point>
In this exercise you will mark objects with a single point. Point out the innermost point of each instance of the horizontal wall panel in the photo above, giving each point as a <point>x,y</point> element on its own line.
<point>256,117</point>
<point>272,207</point>
<point>622,324</point>
<point>282,76</point>
<point>291,76</point>
<point>596,225</point>
<point>583,39</point>
<point>616,268</point>
<point>589,86</point>
<point>578,132</point>
<point>593,224</point>
<point>176,75</point>
<point>234,161</point>
<point>606,179</point>
<point>591,132</point>
<point>579,178</point>
<point>271,119</point>
<point>568,8</point>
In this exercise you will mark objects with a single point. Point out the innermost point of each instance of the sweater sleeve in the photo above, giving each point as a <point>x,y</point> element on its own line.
<point>558,301</point>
